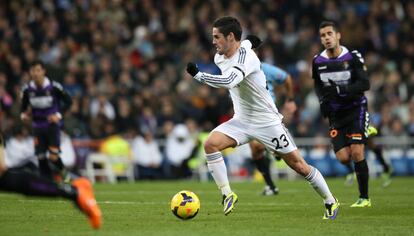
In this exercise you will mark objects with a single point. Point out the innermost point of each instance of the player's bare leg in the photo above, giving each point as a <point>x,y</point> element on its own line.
<point>344,156</point>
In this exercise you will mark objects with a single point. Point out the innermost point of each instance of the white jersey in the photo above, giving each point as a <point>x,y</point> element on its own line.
<point>242,75</point>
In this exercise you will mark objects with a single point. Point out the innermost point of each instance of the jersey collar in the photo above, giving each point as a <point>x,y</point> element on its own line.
<point>344,51</point>
<point>46,83</point>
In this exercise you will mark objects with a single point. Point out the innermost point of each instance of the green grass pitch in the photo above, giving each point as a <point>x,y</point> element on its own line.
<point>143,209</point>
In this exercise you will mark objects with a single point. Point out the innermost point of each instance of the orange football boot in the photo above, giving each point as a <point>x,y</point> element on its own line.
<point>86,201</point>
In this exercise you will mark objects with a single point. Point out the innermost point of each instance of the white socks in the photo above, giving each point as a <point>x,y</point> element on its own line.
<point>217,168</point>
<point>318,183</point>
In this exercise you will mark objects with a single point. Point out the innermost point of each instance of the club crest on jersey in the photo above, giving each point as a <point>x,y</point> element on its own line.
<point>346,65</point>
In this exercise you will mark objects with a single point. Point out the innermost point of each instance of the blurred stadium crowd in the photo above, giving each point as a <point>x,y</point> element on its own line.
<point>123,61</point>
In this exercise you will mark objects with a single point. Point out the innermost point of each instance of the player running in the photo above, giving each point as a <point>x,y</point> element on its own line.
<point>340,81</point>
<point>255,114</point>
<point>48,101</point>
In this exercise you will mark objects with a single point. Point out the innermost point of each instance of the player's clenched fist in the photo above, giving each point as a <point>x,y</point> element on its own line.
<point>192,69</point>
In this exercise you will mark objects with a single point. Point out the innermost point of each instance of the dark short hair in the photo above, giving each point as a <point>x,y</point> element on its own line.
<point>327,23</point>
<point>229,24</point>
<point>37,62</point>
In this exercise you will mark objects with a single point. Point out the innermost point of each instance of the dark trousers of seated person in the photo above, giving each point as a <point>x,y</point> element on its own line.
<point>180,172</point>
<point>142,172</point>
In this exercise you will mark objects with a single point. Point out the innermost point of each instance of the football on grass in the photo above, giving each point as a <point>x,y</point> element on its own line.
<point>185,205</point>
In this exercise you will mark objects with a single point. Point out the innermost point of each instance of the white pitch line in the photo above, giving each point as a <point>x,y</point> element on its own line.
<point>167,203</point>
<point>174,191</point>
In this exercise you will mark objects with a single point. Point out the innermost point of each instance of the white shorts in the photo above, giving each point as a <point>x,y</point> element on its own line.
<point>275,137</point>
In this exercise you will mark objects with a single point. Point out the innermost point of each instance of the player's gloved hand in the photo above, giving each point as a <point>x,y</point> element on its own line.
<point>340,89</point>
<point>192,69</point>
<point>329,91</point>
<point>254,40</point>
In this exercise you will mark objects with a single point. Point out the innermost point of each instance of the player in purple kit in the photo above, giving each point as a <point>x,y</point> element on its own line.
<point>340,81</point>
<point>47,101</point>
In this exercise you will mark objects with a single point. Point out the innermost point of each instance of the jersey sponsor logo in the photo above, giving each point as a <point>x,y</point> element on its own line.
<point>322,67</point>
<point>41,102</point>
<point>338,76</point>
<point>354,136</point>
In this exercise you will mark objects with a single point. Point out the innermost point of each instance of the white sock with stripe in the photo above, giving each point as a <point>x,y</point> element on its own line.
<point>217,168</point>
<point>318,183</point>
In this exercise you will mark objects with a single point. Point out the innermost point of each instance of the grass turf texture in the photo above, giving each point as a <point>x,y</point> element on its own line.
<point>143,209</point>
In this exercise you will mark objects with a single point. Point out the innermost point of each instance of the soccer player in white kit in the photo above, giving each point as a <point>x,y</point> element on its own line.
<point>255,114</point>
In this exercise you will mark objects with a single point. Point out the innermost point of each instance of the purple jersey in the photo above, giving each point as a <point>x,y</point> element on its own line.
<point>346,71</point>
<point>44,101</point>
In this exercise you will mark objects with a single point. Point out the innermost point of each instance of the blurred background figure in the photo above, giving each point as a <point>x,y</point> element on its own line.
<point>20,149</point>
<point>116,147</point>
<point>68,152</point>
<point>180,148</point>
<point>147,156</point>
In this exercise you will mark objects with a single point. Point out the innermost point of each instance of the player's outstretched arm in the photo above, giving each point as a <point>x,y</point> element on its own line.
<point>229,80</point>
